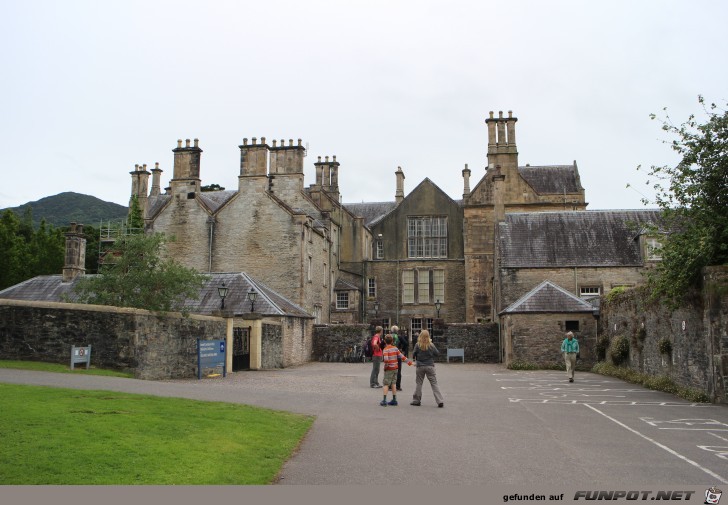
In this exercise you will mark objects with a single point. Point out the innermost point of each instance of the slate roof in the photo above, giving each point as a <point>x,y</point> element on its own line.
<point>372,211</point>
<point>548,297</point>
<point>588,238</point>
<point>50,288</point>
<point>555,179</point>
<point>342,285</point>
<point>213,200</point>
<point>155,204</point>
<point>267,303</point>
<point>44,288</point>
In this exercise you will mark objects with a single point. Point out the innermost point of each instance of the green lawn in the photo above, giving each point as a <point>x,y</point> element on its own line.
<point>55,367</point>
<point>65,436</point>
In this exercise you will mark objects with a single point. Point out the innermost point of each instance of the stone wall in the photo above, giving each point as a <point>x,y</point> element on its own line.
<point>696,331</point>
<point>480,341</point>
<point>271,346</point>
<point>536,338</point>
<point>151,346</point>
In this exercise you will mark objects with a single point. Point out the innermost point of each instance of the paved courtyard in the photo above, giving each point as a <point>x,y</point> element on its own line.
<point>497,427</point>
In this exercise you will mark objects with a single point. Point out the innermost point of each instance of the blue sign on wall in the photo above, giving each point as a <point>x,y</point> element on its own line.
<point>210,356</point>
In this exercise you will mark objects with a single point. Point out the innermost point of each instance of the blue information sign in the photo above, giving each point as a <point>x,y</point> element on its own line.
<point>210,355</point>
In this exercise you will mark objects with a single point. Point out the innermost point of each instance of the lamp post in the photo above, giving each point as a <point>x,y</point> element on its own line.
<point>222,291</point>
<point>438,305</point>
<point>252,295</point>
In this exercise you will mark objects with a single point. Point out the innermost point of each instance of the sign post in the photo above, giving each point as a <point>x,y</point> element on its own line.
<point>80,355</point>
<point>210,354</point>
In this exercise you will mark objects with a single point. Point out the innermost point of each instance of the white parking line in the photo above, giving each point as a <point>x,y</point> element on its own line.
<point>661,446</point>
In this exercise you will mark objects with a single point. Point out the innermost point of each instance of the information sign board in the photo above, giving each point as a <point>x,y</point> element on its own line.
<point>210,356</point>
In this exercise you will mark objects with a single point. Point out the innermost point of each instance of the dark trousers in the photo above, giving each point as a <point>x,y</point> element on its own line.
<point>399,373</point>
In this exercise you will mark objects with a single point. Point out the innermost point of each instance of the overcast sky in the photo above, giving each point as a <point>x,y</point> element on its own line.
<point>91,88</point>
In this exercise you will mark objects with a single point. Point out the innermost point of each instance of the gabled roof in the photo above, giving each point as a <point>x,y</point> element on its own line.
<point>573,239</point>
<point>555,179</point>
<point>548,297</point>
<point>50,288</point>
<point>267,302</point>
<point>213,200</point>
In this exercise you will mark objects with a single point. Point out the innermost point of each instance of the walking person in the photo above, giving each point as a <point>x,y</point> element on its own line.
<point>570,348</point>
<point>424,355</point>
<point>377,348</point>
<point>391,358</point>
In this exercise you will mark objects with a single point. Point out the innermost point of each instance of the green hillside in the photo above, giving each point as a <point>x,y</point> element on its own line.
<point>64,208</point>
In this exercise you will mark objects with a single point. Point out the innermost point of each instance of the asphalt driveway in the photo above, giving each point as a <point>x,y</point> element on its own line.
<point>497,427</point>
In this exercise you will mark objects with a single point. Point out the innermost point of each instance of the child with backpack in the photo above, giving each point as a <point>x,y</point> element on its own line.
<point>390,356</point>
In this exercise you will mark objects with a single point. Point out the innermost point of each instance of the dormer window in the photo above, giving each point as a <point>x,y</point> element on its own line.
<point>653,249</point>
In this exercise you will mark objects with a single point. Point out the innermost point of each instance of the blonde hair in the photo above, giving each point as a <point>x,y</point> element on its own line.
<point>424,340</point>
<point>378,329</point>
<point>395,329</point>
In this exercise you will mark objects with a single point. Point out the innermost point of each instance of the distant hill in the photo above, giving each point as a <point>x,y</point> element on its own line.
<point>65,208</point>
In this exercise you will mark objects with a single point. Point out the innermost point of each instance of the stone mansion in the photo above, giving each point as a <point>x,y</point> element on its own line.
<point>518,248</point>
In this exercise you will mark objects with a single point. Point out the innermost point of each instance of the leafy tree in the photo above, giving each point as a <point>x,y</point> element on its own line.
<point>26,252</point>
<point>139,277</point>
<point>211,187</point>
<point>693,196</point>
<point>135,220</point>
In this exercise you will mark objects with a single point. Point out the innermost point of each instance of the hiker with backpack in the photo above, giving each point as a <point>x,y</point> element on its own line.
<point>391,357</point>
<point>377,346</point>
<point>401,344</point>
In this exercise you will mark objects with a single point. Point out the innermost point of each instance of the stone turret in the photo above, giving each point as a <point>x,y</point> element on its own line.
<point>186,172</point>
<point>75,257</point>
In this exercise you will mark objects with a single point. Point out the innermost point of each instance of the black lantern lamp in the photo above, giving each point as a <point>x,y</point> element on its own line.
<point>222,291</point>
<point>438,305</point>
<point>252,295</point>
<point>376,309</point>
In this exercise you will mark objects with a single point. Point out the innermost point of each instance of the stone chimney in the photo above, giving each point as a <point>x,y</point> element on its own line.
<point>186,171</point>
<point>399,192</point>
<point>75,260</point>
<point>156,180</point>
<point>139,184</point>
<point>466,182</point>
<point>502,149</point>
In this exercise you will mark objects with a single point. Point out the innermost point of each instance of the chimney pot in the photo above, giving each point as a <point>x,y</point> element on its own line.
<point>196,142</point>
<point>179,143</point>
<point>187,142</point>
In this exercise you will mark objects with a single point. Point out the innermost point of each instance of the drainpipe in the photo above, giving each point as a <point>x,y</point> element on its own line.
<point>211,220</point>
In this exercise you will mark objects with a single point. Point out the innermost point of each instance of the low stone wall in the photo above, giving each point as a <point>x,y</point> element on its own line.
<point>151,346</point>
<point>480,341</point>
<point>696,331</point>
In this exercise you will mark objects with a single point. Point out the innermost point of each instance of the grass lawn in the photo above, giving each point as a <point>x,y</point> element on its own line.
<point>79,437</point>
<point>58,368</point>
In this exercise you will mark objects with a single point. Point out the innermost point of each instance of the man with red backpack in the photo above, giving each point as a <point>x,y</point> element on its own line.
<point>377,348</point>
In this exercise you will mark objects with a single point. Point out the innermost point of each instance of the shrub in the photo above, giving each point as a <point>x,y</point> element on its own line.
<point>614,293</point>
<point>601,347</point>
<point>665,346</point>
<point>619,350</point>
<point>522,365</point>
